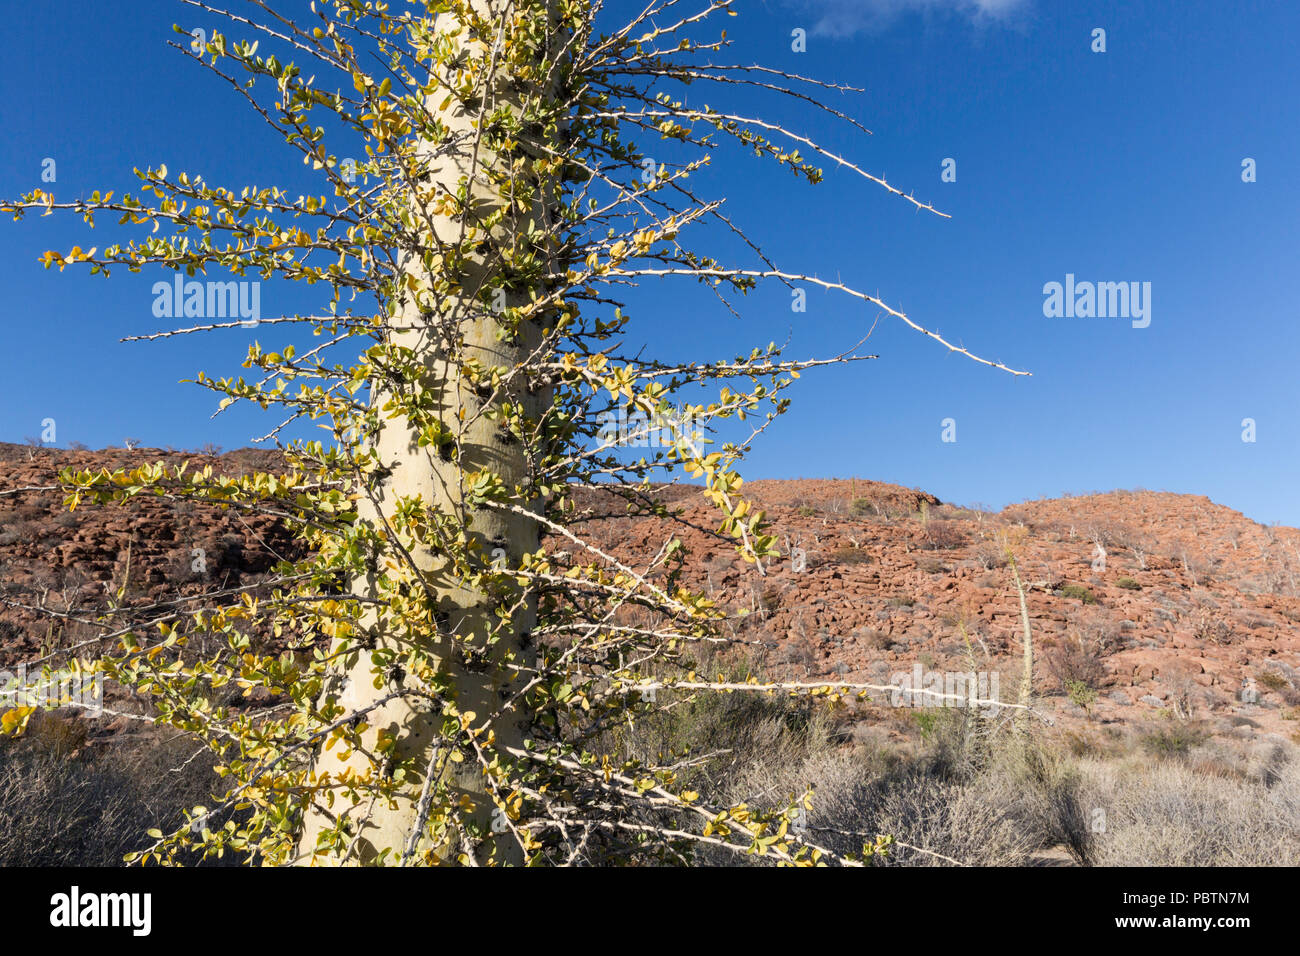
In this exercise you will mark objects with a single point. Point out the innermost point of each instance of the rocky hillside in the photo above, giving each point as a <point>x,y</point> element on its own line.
<point>71,562</point>
<point>1144,605</point>
<point>1161,604</point>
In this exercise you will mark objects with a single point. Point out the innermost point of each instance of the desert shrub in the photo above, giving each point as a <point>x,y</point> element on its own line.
<point>1279,683</point>
<point>62,805</point>
<point>990,557</point>
<point>1075,662</point>
<point>1097,629</point>
<point>1054,806</point>
<point>1081,693</point>
<point>927,721</point>
<point>1079,592</point>
<point>231,550</point>
<point>1273,681</point>
<point>727,726</point>
<point>1173,741</point>
<point>1168,814</point>
<point>180,568</point>
<point>850,556</point>
<point>767,750</point>
<point>877,640</point>
<point>936,820</point>
<point>805,511</point>
<point>1087,744</point>
<point>1210,626</point>
<point>32,512</point>
<point>1128,584</point>
<point>15,532</point>
<point>863,506</point>
<point>940,535</point>
<point>58,737</point>
<point>934,809</point>
<point>973,794</point>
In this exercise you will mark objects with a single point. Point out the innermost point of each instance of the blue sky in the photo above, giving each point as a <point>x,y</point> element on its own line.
<point>1116,166</point>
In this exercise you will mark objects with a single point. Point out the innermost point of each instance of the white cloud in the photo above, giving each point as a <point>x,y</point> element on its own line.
<point>847,17</point>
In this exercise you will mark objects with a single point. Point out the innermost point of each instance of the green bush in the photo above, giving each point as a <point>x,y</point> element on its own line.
<point>1173,741</point>
<point>1081,693</point>
<point>928,721</point>
<point>1080,592</point>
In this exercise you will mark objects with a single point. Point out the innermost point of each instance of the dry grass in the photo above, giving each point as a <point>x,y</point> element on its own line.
<point>1174,814</point>
<point>968,788</point>
<point>959,786</point>
<point>63,804</point>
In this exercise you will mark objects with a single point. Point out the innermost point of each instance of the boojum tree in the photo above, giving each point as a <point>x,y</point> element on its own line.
<point>454,648</point>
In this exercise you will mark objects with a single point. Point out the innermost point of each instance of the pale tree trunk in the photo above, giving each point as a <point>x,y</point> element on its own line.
<point>434,475</point>
<point>1027,650</point>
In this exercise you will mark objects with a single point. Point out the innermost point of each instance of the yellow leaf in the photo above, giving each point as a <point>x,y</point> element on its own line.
<point>14,722</point>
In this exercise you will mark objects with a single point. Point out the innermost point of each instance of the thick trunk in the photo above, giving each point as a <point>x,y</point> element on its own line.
<point>439,479</point>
